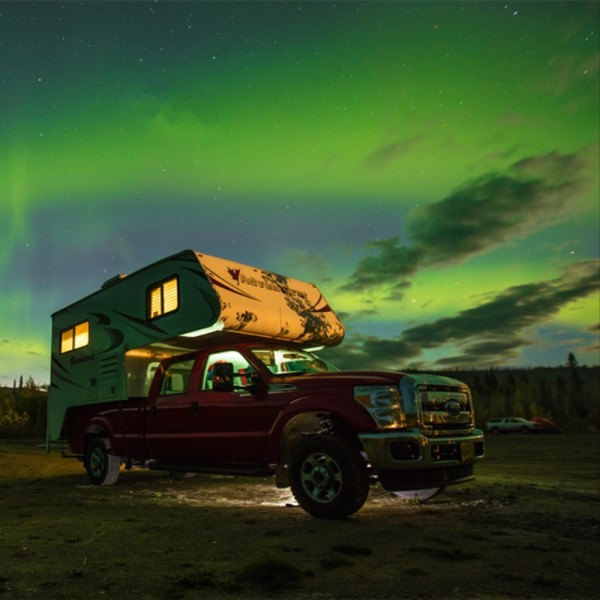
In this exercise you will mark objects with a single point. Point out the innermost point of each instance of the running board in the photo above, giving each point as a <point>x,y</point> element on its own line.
<point>213,468</point>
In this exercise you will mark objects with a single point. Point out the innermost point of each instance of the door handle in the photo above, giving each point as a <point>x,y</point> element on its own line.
<point>194,407</point>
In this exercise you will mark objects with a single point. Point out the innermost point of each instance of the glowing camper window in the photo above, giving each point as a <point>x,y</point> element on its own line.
<point>163,298</point>
<point>75,337</point>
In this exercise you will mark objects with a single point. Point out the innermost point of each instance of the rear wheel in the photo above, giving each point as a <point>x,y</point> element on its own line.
<point>102,467</point>
<point>329,477</point>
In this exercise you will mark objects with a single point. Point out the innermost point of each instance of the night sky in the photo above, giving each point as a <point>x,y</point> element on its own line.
<point>432,167</point>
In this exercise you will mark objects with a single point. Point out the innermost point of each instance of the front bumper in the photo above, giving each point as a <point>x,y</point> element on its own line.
<point>411,460</point>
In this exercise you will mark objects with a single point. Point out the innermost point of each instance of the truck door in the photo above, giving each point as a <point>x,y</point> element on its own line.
<point>228,426</point>
<point>168,411</point>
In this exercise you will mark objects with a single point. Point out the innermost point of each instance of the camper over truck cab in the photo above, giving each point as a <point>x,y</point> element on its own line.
<point>200,364</point>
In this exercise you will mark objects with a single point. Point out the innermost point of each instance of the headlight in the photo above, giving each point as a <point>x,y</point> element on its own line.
<point>383,403</point>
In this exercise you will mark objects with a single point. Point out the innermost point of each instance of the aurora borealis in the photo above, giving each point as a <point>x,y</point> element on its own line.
<point>431,166</point>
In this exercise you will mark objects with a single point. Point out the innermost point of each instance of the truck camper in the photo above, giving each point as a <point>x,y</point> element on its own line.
<point>200,364</point>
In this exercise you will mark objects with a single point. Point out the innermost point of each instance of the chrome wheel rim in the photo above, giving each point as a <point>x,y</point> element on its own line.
<point>97,459</point>
<point>321,477</point>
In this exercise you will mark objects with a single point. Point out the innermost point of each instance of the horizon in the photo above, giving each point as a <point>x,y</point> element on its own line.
<point>432,167</point>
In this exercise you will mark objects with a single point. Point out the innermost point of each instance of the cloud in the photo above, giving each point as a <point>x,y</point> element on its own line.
<point>492,333</point>
<point>481,214</point>
<point>370,352</point>
<point>19,347</point>
<point>313,262</point>
<point>392,262</point>
<point>510,311</point>
<point>567,72</point>
<point>389,152</point>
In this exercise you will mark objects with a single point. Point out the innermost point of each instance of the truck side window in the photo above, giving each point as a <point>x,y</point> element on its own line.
<point>242,369</point>
<point>176,378</point>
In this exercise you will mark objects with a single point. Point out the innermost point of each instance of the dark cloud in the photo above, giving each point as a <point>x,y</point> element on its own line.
<point>392,261</point>
<point>484,354</point>
<point>479,215</point>
<point>488,334</point>
<point>511,311</point>
<point>370,352</point>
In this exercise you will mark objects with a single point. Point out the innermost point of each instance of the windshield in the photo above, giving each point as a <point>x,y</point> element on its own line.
<point>285,361</point>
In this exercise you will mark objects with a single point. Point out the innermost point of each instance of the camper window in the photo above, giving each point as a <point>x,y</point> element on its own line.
<point>163,298</point>
<point>75,337</point>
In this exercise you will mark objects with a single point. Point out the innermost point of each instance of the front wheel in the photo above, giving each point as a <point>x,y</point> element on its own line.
<point>102,467</point>
<point>329,477</point>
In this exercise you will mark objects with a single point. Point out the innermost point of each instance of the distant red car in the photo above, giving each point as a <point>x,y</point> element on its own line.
<point>547,426</point>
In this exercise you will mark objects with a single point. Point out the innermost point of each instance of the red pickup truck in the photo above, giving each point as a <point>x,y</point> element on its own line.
<point>262,409</point>
<point>199,364</point>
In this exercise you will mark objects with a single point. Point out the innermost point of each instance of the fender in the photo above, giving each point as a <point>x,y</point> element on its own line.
<point>305,414</point>
<point>100,426</point>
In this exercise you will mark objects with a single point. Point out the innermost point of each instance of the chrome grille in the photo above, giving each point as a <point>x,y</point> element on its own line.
<point>444,409</point>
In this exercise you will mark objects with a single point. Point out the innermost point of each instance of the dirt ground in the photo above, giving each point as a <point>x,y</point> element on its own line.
<point>528,527</point>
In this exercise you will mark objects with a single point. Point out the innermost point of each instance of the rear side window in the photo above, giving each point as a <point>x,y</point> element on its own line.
<point>177,378</point>
<point>75,337</point>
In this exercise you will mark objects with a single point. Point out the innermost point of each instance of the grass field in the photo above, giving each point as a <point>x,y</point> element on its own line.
<point>526,528</point>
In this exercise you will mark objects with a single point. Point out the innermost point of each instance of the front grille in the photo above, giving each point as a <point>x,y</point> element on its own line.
<point>444,410</point>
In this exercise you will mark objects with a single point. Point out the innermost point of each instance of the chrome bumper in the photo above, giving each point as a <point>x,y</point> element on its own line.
<point>402,450</point>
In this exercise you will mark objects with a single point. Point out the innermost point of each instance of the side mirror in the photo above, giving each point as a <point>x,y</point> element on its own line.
<point>223,377</point>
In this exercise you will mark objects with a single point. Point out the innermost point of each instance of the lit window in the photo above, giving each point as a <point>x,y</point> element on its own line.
<point>75,337</point>
<point>170,299</point>
<point>66,341</point>
<point>82,334</point>
<point>163,298</point>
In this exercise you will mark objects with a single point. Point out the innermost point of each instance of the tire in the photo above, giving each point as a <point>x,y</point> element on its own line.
<point>495,431</point>
<point>524,430</point>
<point>328,477</point>
<point>102,467</point>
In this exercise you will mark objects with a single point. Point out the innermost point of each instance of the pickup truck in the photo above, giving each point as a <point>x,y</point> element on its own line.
<point>263,409</point>
<point>200,364</point>
<point>512,425</point>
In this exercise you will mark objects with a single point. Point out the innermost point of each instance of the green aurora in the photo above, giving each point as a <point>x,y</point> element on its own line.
<point>423,163</point>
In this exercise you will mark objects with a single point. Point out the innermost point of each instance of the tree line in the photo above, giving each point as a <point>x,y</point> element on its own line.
<point>23,410</point>
<point>567,395</point>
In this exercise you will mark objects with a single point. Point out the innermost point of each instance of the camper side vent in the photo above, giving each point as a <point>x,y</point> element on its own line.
<point>108,364</point>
